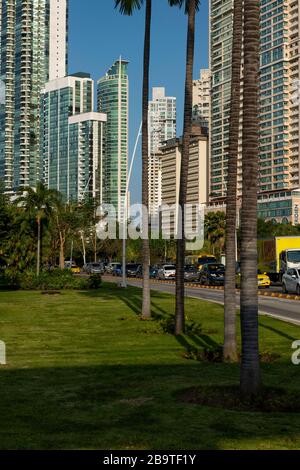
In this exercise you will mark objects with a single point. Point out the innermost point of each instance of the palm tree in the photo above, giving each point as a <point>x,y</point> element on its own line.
<point>230,348</point>
<point>37,203</point>
<point>66,221</point>
<point>250,372</point>
<point>214,225</point>
<point>191,6</point>
<point>127,7</point>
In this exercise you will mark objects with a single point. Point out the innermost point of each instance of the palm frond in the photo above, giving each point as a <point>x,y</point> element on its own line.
<point>127,7</point>
<point>185,3</point>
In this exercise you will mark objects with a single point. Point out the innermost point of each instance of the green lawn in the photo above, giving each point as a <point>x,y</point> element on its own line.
<point>85,373</point>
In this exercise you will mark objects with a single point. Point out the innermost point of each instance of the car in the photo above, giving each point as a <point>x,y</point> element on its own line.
<point>206,259</point>
<point>212,274</point>
<point>110,267</point>
<point>133,269</point>
<point>75,269</point>
<point>291,281</point>
<point>191,273</point>
<point>72,266</point>
<point>96,268</point>
<point>167,271</point>
<point>153,270</point>
<point>200,260</point>
<point>117,269</point>
<point>263,280</point>
<point>86,267</point>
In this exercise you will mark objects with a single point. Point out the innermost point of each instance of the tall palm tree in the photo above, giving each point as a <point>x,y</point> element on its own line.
<point>191,6</point>
<point>250,371</point>
<point>127,7</point>
<point>38,203</point>
<point>230,348</point>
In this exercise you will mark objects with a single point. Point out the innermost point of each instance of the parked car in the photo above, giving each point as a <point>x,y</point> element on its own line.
<point>191,273</point>
<point>167,271</point>
<point>75,269</point>
<point>212,274</point>
<point>117,269</point>
<point>153,270</point>
<point>96,268</point>
<point>72,266</point>
<point>263,280</point>
<point>291,281</point>
<point>110,267</point>
<point>86,267</point>
<point>132,269</point>
<point>69,264</point>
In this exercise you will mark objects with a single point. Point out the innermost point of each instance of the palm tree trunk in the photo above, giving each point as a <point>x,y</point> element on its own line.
<point>38,261</point>
<point>250,372</point>
<point>230,348</point>
<point>146,308</point>
<point>187,128</point>
<point>83,247</point>
<point>61,252</point>
<point>95,247</point>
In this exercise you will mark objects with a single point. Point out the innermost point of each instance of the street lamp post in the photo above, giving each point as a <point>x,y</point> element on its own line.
<point>125,214</point>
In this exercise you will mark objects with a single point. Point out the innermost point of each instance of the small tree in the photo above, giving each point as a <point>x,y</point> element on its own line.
<point>37,203</point>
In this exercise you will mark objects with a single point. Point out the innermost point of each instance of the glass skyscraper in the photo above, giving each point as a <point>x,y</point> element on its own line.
<point>33,48</point>
<point>113,101</point>
<point>73,138</point>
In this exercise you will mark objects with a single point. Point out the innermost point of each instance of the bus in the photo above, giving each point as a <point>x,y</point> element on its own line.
<point>200,260</point>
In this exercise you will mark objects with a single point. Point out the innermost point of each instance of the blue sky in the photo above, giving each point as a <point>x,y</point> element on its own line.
<point>99,35</point>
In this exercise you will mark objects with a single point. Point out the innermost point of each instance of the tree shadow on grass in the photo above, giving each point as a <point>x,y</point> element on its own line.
<point>204,341</point>
<point>131,297</point>
<point>201,341</point>
<point>278,332</point>
<point>125,407</point>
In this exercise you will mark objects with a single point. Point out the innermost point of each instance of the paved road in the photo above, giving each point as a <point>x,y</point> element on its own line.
<point>282,309</point>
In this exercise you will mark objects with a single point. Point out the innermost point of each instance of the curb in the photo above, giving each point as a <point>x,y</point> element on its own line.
<point>278,295</point>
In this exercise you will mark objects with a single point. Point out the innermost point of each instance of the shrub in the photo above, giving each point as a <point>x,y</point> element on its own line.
<point>57,279</point>
<point>211,354</point>
<point>191,327</point>
<point>8,282</point>
<point>94,281</point>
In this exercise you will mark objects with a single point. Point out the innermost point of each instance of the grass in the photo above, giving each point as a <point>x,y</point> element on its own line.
<point>84,372</point>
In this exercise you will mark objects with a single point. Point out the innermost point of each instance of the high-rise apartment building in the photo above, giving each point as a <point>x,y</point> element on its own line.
<point>279,164</point>
<point>162,127</point>
<point>33,48</point>
<point>279,111</point>
<point>197,188</point>
<point>113,91</point>
<point>201,98</point>
<point>220,67</point>
<point>73,138</point>
<point>58,38</point>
